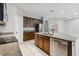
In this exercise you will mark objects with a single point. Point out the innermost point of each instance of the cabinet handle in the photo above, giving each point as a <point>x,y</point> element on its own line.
<point>62,42</point>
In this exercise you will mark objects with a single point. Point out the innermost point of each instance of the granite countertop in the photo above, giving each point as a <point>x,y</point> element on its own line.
<point>9,45</point>
<point>6,34</point>
<point>29,31</point>
<point>61,36</point>
<point>7,37</point>
<point>10,49</point>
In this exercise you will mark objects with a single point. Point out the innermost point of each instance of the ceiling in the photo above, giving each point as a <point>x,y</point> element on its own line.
<point>68,10</point>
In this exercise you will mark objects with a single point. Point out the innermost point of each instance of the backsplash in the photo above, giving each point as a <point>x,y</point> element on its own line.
<point>28,28</point>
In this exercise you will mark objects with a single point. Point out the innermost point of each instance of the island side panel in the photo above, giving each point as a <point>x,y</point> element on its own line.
<point>69,48</point>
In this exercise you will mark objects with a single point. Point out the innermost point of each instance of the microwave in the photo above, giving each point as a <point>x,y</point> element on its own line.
<point>3,13</point>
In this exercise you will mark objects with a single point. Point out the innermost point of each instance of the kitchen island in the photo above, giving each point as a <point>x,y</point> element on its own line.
<point>57,44</point>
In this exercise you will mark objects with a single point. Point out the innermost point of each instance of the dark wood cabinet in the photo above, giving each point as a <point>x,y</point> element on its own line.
<point>28,22</point>
<point>46,44</point>
<point>28,36</point>
<point>36,40</point>
<point>43,43</point>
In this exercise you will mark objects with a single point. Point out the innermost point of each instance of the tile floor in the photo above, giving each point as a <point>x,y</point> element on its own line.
<point>28,48</point>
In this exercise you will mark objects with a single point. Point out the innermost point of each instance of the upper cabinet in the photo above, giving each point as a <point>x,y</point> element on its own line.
<point>30,22</point>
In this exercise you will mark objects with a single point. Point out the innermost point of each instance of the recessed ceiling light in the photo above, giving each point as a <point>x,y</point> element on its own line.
<point>62,11</point>
<point>75,13</point>
<point>51,10</point>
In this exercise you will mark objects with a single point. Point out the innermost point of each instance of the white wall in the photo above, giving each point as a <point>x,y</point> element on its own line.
<point>73,27</point>
<point>61,24</point>
<point>19,24</point>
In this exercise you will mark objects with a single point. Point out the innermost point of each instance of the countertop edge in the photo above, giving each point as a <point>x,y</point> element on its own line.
<point>56,37</point>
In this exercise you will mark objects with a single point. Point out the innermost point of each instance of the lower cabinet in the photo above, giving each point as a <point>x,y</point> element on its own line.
<point>28,36</point>
<point>46,44</point>
<point>36,40</point>
<point>43,43</point>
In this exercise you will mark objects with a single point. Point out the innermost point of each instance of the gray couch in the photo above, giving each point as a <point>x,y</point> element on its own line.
<point>9,47</point>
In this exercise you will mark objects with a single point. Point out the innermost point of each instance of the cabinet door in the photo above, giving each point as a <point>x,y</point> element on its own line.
<point>28,35</point>
<point>28,22</point>
<point>46,44</point>
<point>31,35</point>
<point>37,40</point>
<point>41,41</point>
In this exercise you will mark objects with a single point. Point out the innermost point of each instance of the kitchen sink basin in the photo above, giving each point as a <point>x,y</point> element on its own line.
<point>47,34</point>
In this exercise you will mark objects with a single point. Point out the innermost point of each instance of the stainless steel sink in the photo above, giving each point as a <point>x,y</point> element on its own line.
<point>47,34</point>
